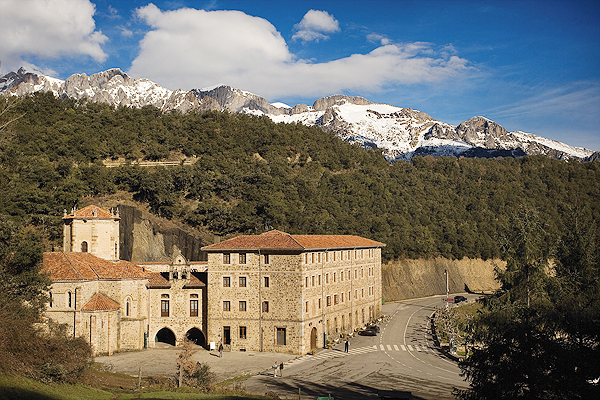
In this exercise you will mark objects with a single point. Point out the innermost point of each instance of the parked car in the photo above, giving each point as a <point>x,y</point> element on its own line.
<point>369,331</point>
<point>458,299</point>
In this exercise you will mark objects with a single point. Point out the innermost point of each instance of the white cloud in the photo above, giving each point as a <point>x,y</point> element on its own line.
<point>375,37</point>
<point>190,48</point>
<point>47,29</point>
<point>314,25</point>
<point>125,32</point>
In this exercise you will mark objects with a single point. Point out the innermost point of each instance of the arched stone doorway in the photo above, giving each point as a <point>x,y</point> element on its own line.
<point>313,338</point>
<point>165,335</point>
<point>196,336</point>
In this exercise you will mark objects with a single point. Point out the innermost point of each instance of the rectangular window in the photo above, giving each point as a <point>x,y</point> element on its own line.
<point>362,272</point>
<point>319,304</point>
<point>266,258</point>
<point>356,293</point>
<point>334,255</point>
<point>226,258</point>
<point>164,308</point>
<point>334,277</point>
<point>362,292</point>
<point>226,281</point>
<point>319,257</point>
<point>265,306</point>
<point>306,281</point>
<point>319,280</point>
<point>242,258</point>
<point>281,336</point>
<point>306,306</point>
<point>226,305</point>
<point>355,274</point>
<point>327,278</point>
<point>335,299</point>
<point>242,332</point>
<point>266,281</point>
<point>193,308</point>
<point>328,301</point>
<point>313,280</point>
<point>312,257</point>
<point>326,257</point>
<point>342,297</point>
<point>242,306</point>
<point>242,281</point>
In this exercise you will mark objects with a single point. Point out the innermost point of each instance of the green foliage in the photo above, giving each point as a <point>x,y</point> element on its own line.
<point>26,346</point>
<point>538,336</point>
<point>251,173</point>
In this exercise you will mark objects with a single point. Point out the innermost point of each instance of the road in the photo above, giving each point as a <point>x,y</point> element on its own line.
<point>401,358</point>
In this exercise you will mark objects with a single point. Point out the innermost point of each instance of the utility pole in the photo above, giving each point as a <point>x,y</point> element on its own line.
<point>447,294</point>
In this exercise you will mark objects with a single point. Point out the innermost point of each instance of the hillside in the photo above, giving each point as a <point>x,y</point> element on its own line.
<point>399,133</point>
<point>250,174</point>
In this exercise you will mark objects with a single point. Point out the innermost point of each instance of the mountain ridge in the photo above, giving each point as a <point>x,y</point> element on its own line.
<point>400,133</point>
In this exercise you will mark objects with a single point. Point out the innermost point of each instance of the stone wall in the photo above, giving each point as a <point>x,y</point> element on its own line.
<point>146,238</point>
<point>405,279</point>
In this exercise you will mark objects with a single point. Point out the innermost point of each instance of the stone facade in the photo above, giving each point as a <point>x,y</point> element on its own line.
<point>273,292</point>
<point>92,230</point>
<point>291,293</point>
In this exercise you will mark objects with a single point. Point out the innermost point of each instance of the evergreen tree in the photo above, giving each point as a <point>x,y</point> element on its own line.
<point>512,341</point>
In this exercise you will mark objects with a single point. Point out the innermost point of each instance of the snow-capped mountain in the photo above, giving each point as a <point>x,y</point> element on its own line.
<point>400,133</point>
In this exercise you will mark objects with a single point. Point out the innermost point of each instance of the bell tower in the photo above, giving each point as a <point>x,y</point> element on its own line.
<point>92,230</point>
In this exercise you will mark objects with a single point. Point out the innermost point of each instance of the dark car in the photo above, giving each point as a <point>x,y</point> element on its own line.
<point>458,299</point>
<point>370,331</point>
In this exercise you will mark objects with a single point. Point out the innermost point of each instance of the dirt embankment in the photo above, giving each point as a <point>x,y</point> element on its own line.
<point>405,279</point>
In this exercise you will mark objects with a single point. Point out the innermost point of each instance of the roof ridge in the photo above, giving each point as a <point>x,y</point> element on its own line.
<point>74,268</point>
<point>294,239</point>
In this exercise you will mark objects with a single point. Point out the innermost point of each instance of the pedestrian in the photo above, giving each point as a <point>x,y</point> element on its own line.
<point>281,369</point>
<point>275,366</point>
<point>220,349</point>
<point>346,344</point>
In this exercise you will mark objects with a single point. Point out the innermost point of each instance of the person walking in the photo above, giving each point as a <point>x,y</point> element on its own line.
<point>220,349</point>
<point>346,344</point>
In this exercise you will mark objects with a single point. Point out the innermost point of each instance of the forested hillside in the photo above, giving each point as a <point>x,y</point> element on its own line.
<point>251,173</point>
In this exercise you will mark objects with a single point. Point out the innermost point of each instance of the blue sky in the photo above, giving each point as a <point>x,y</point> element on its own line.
<point>532,66</point>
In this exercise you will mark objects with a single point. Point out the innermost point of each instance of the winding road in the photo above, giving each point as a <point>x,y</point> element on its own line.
<point>402,359</point>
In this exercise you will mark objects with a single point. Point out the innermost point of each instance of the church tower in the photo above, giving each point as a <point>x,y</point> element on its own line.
<point>92,230</point>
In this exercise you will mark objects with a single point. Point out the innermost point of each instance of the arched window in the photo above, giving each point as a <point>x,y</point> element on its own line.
<point>50,296</point>
<point>69,299</point>
<point>84,247</point>
<point>127,307</point>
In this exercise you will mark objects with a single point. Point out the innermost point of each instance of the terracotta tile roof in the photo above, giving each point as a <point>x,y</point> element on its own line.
<point>160,280</point>
<point>277,240</point>
<point>91,212</point>
<point>85,266</point>
<point>195,282</point>
<point>99,302</point>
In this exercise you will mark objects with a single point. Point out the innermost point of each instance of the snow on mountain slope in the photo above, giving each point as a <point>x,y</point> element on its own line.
<point>400,133</point>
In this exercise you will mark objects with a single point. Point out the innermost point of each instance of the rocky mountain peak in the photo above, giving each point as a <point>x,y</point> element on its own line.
<point>324,103</point>
<point>399,132</point>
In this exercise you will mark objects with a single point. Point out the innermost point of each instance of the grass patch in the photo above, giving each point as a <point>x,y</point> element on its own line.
<point>20,388</point>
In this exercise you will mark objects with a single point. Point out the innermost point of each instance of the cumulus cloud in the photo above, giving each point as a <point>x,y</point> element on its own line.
<point>47,29</point>
<point>314,25</point>
<point>188,48</point>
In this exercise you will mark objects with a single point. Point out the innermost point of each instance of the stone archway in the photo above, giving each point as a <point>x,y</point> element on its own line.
<point>196,336</point>
<point>165,335</point>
